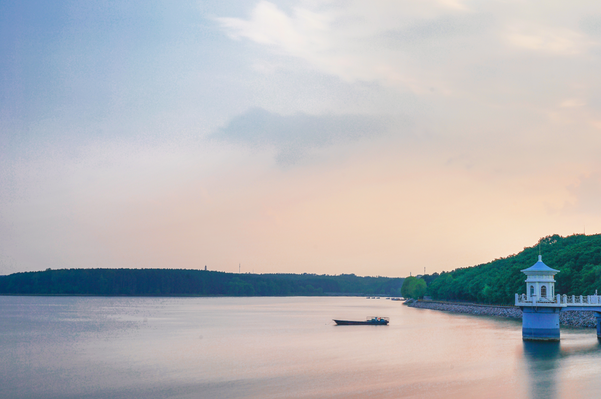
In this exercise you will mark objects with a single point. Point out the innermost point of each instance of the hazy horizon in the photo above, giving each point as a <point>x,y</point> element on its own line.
<point>295,136</point>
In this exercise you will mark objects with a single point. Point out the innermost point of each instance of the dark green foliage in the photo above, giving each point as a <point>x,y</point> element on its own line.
<point>190,282</point>
<point>413,287</point>
<point>577,257</point>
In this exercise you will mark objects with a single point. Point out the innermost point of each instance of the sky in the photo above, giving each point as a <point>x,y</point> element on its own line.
<point>374,138</point>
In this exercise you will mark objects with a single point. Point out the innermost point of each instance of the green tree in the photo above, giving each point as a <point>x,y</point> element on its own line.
<point>413,287</point>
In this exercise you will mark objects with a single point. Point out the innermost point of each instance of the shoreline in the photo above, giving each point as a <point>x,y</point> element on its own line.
<point>578,319</point>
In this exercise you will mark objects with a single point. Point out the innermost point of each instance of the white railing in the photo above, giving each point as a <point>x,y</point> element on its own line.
<point>524,300</point>
<point>559,300</point>
<point>521,299</point>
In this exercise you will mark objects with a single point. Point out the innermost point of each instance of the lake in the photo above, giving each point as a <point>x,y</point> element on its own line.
<point>274,347</point>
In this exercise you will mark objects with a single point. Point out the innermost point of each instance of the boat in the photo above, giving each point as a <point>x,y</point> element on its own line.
<point>371,321</point>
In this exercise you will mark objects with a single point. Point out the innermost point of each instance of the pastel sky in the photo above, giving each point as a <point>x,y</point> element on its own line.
<point>366,137</point>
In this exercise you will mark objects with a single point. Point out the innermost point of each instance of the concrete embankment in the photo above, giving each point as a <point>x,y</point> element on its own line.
<point>571,318</point>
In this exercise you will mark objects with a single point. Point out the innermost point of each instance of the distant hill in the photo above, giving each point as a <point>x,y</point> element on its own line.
<point>578,257</point>
<point>179,282</point>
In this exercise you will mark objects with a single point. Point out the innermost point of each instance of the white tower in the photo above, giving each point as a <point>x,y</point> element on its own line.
<point>540,312</point>
<point>540,283</point>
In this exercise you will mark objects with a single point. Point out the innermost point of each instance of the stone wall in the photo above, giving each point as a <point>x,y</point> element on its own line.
<point>571,318</point>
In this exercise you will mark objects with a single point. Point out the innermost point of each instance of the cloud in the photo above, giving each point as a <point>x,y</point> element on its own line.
<point>344,41</point>
<point>270,25</point>
<point>293,136</point>
<point>444,28</point>
<point>551,40</point>
<point>418,46</point>
<point>572,103</point>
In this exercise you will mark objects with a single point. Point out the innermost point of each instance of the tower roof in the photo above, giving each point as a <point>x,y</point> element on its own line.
<point>539,267</point>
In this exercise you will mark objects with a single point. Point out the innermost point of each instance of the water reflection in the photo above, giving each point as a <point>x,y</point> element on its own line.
<point>544,361</point>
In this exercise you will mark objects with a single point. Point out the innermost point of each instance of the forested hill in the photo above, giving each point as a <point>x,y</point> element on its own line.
<point>172,282</point>
<point>578,257</point>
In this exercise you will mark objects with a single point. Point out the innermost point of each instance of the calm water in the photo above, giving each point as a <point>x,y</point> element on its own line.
<point>59,347</point>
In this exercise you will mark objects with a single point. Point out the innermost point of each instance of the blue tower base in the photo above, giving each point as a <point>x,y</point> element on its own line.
<point>598,325</point>
<point>541,323</point>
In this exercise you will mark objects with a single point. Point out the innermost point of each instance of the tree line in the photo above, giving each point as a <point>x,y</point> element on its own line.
<point>184,282</point>
<point>577,257</point>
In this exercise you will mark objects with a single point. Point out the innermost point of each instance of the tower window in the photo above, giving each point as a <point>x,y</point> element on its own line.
<point>531,290</point>
<point>543,291</point>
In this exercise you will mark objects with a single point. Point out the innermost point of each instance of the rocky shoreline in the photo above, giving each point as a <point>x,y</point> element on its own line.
<point>571,319</point>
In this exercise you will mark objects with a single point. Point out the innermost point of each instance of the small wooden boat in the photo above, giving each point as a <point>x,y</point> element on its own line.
<point>372,321</point>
